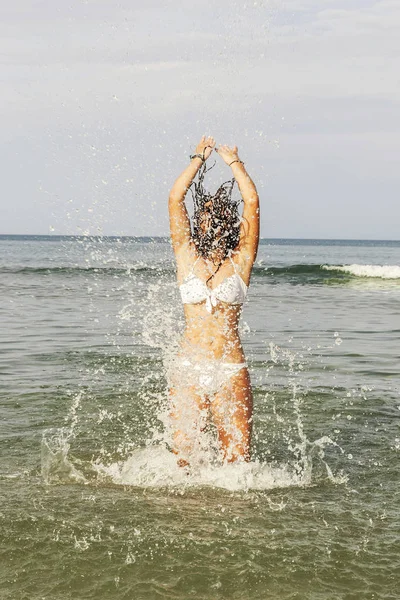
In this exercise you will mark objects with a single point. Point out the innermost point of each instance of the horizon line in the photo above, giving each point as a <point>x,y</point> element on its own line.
<point>166,237</point>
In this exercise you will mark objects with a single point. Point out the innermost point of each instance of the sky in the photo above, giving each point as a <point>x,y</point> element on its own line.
<point>103,101</point>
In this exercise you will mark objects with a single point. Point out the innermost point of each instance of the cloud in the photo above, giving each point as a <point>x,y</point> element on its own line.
<point>87,81</point>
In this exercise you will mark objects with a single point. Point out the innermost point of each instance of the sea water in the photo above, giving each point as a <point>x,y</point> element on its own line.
<point>92,502</point>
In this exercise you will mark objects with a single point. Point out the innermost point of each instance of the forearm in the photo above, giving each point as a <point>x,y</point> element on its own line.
<point>184,180</point>
<point>246,185</point>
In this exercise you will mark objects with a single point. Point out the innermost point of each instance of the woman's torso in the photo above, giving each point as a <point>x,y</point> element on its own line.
<point>212,310</point>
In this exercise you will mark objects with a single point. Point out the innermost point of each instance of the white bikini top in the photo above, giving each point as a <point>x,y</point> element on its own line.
<point>231,290</point>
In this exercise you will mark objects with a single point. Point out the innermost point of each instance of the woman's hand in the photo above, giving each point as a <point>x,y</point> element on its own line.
<point>228,154</point>
<point>205,146</point>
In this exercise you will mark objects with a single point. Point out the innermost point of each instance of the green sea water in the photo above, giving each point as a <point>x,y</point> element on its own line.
<point>92,503</point>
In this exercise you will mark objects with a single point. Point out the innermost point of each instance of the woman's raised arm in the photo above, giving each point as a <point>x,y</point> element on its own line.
<point>178,216</point>
<point>250,234</point>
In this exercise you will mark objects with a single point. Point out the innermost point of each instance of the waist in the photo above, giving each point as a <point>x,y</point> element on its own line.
<point>202,347</point>
<point>215,334</point>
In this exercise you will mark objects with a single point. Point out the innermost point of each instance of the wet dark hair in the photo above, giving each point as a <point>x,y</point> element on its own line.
<point>223,228</point>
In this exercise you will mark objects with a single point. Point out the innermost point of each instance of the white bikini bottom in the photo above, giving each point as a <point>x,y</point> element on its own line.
<point>208,376</point>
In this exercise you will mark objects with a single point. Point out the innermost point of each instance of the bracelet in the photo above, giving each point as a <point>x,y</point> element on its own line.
<point>197,156</point>
<point>237,160</point>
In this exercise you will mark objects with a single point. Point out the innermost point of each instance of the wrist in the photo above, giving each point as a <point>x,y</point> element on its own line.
<point>236,163</point>
<point>198,157</point>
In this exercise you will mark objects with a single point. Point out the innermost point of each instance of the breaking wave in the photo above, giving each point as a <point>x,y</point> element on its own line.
<point>376,271</point>
<point>260,270</point>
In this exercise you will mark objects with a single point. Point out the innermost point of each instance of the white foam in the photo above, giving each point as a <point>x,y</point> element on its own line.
<point>377,271</point>
<point>155,467</point>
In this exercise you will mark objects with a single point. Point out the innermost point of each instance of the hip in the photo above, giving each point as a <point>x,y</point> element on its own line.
<point>207,376</point>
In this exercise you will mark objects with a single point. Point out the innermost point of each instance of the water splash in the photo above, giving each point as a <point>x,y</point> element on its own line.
<point>155,466</point>
<point>56,464</point>
<point>125,459</point>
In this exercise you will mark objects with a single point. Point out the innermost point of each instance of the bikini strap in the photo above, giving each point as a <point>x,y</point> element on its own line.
<point>233,264</point>
<point>193,266</point>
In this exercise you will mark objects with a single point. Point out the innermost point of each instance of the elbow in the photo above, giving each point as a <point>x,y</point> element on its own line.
<point>172,200</point>
<point>175,198</point>
<point>252,199</point>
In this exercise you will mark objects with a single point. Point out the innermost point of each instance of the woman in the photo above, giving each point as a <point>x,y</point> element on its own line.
<point>214,262</point>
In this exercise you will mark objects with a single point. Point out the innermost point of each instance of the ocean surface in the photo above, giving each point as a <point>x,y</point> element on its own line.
<point>93,505</point>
